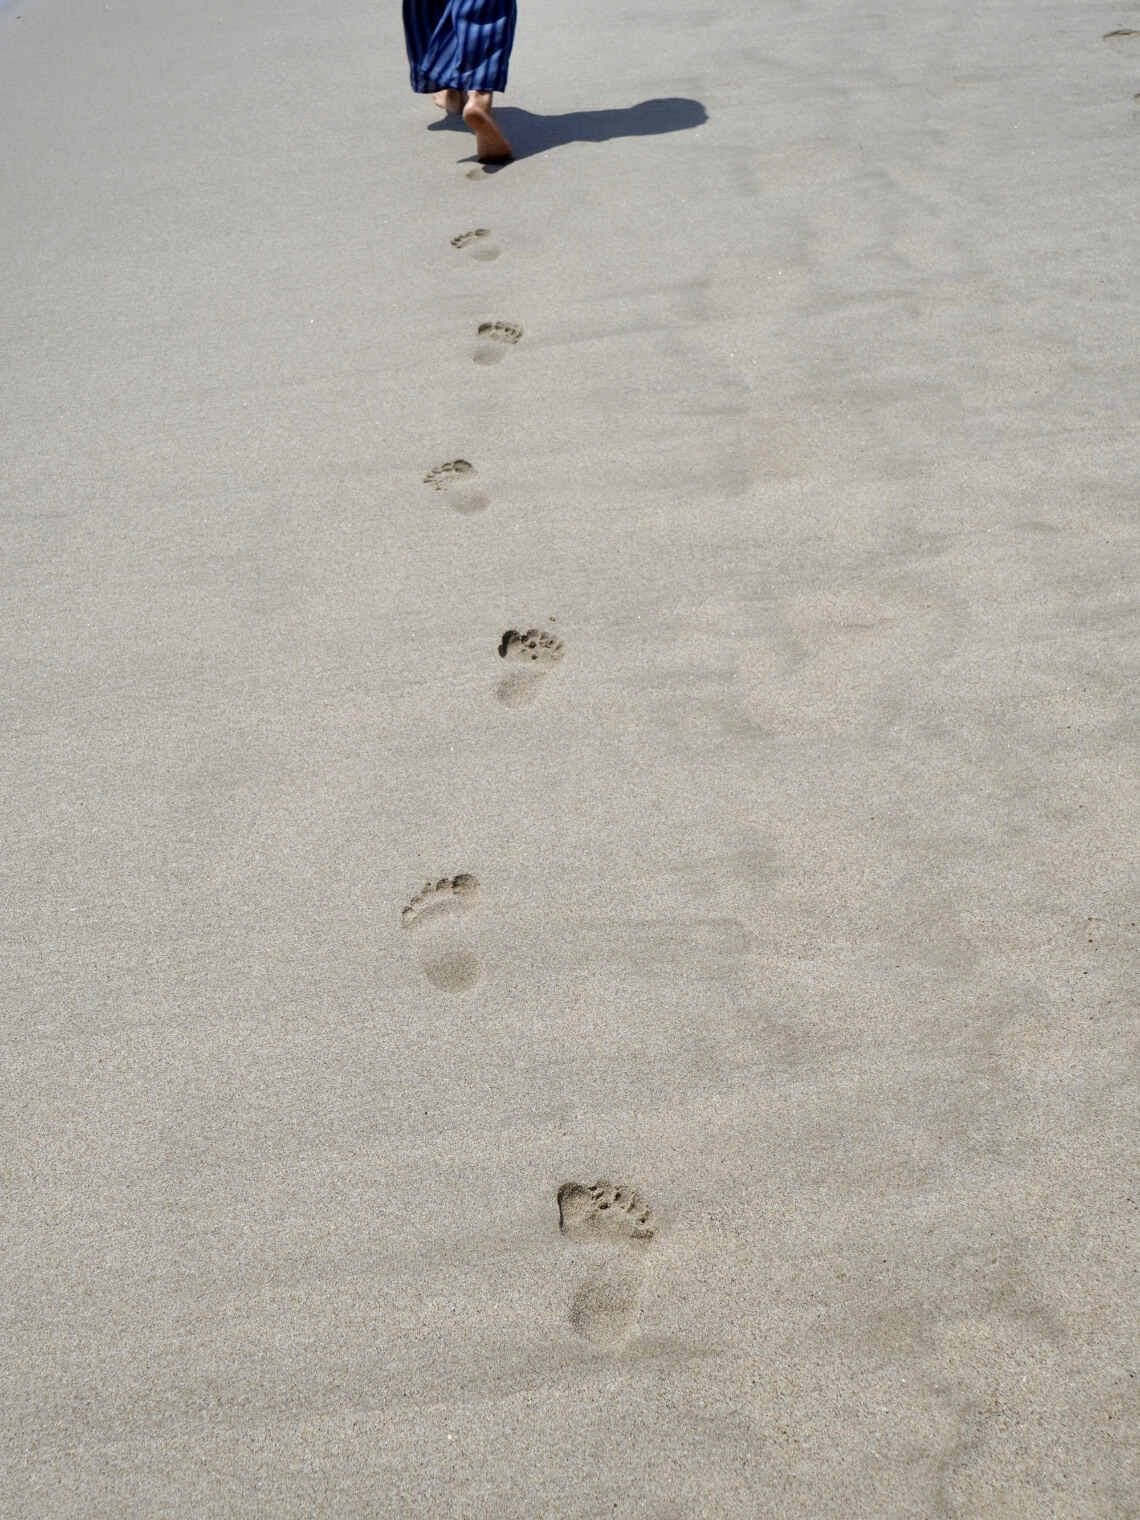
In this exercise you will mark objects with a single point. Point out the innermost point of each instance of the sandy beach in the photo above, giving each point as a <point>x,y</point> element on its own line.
<point>568,765</point>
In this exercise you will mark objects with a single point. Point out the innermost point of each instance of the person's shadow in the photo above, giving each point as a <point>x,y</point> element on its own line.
<point>529,134</point>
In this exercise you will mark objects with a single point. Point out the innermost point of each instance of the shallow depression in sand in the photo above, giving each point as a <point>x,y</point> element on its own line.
<point>455,480</point>
<point>531,656</point>
<point>612,1226</point>
<point>477,244</point>
<point>496,339</point>
<point>1125,40</point>
<point>439,916</point>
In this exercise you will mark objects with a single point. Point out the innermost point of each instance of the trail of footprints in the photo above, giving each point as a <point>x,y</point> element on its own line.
<point>610,1227</point>
<point>607,1226</point>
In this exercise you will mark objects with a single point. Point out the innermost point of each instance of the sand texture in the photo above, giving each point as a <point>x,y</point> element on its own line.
<point>568,765</point>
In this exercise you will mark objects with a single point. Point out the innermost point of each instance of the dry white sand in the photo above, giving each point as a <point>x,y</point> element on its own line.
<point>805,906</point>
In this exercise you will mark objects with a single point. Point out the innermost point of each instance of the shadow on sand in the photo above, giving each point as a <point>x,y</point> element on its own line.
<point>530,134</point>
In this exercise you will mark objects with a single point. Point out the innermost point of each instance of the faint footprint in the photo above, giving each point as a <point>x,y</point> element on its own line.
<point>476,245</point>
<point>452,477</point>
<point>1125,39</point>
<point>615,1226</point>
<point>437,914</point>
<point>497,338</point>
<point>535,653</point>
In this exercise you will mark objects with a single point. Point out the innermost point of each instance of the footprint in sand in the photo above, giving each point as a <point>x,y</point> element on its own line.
<point>611,1227</point>
<point>533,655</point>
<point>476,246</point>
<point>454,477</point>
<point>1125,40</point>
<point>439,916</point>
<point>496,339</point>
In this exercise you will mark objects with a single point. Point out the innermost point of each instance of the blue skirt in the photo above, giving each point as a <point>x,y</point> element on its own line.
<point>459,44</point>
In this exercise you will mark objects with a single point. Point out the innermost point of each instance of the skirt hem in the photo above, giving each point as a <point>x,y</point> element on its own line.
<point>422,84</point>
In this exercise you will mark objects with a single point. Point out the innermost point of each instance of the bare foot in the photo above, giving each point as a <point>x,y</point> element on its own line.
<point>490,144</point>
<point>450,101</point>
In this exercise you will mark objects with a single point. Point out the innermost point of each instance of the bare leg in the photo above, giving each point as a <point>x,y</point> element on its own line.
<point>490,144</point>
<point>450,101</point>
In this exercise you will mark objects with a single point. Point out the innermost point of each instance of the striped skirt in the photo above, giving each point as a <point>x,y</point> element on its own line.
<point>459,44</point>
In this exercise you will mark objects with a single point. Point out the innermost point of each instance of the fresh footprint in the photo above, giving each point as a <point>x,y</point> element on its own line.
<point>533,655</point>
<point>476,246</point>
<point>439,916</point>
<point>496,339</point>
<point>611,1226</point>
<point>484,171</point>
<point>454,477</point>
